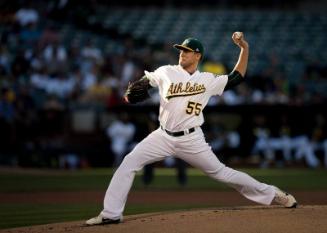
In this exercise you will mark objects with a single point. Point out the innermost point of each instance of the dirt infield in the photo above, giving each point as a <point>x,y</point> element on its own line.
<point>255,219</point>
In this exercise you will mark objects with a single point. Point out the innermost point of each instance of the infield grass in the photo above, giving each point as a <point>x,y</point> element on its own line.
<point>98,179</point>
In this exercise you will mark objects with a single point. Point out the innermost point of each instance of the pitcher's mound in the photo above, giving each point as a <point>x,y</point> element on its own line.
<point>272,219</point>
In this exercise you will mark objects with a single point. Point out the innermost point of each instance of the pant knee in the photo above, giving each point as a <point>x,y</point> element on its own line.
<point>131,163</point>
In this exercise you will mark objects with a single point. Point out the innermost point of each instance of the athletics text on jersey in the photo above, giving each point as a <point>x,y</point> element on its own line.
<point>183,96</point>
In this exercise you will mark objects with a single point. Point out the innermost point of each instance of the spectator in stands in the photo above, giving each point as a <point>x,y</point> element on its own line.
<point>20,66</point>
<point>92,53</point>
<point>114,99</point>
<point>97,94</point>
<point>4,59</point>
<point>39,78</point>
<point>89,78</point>
<point>7,109</point>
<point>128,70</point>
<point>60,9</point>
<point>7,114</point>
<point>60,85</point>
<point>27,15</point>
<point>55,56</point>
<point>50,35</point>
<point>30,35</point>
<point>91,58</point>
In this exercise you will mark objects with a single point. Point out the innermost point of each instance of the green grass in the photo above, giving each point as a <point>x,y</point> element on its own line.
<point>16,215</point>
<point>165,179</point>
<point>25,214</point>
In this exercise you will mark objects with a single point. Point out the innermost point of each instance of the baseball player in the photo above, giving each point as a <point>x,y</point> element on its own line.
<point>184,92</point>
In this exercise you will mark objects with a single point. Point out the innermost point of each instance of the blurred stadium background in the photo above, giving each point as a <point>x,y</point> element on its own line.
<point>64,66</point>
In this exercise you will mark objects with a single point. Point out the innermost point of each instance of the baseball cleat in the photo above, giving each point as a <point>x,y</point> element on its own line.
<point>284,198</point>
<point>99,220</point>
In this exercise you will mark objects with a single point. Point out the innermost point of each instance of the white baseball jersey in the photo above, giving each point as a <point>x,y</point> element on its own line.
<point>183,96</point>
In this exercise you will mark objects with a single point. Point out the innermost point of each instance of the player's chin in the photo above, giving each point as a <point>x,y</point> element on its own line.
<point>182,63</point>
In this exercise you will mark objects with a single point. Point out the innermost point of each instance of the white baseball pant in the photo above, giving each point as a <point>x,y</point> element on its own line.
<point>193,149</point>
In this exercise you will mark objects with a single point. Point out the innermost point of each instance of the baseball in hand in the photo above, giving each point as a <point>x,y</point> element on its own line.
<point>238,35</point>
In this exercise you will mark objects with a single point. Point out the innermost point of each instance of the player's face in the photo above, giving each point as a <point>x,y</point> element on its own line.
<point>188,58</point>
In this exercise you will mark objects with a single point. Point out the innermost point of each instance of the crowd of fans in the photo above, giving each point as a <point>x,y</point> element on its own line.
<point>42,76</point>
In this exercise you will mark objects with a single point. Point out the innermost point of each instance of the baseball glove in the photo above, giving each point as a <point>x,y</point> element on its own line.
<point>137,91</point>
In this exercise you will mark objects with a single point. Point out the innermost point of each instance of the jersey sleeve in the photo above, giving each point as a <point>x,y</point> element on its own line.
<point>154,76</point>
<point>218,84</point>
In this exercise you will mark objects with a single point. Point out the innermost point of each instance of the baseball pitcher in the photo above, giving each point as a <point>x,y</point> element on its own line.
<point>184,92</point>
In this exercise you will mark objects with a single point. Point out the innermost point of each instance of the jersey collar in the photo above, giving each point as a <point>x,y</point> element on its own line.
<point>197,71</point>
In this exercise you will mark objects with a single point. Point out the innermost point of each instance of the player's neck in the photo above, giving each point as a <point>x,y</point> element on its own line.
<point>191,69</point>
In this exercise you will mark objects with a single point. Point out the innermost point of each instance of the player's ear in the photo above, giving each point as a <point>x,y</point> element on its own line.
<point>198,56</point>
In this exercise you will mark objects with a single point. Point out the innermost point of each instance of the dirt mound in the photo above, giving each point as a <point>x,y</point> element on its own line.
<point>270,219</point>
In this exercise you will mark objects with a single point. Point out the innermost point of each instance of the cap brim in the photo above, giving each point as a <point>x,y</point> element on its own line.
<point>182,47</point>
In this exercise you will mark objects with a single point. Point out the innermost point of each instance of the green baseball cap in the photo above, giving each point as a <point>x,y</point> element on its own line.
<point>191,44</point>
